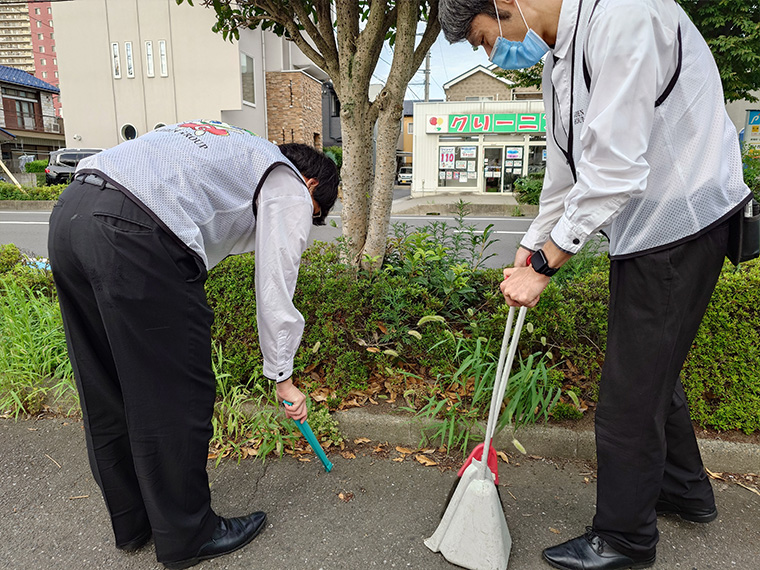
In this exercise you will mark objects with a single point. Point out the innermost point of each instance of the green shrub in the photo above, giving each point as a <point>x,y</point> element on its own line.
<point>751,158</point>
<point>336,155</point>
<point>10,191</point>
<point>10,255</point>
<point>721,376</point>
<point>36,166</point>
<point>528,188</point>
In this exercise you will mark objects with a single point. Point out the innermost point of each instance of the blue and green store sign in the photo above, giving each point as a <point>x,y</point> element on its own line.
<point>486,123</point>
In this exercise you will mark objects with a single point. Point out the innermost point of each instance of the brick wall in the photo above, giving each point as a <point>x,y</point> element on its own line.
<point>294,108</point>
<point>479,85</point>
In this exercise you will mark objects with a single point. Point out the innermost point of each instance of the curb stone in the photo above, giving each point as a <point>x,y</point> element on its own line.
<point>542,441</point>
<point>28,205</point>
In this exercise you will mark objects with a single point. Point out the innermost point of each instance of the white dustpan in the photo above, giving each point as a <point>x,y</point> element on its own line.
<point>473,531</point>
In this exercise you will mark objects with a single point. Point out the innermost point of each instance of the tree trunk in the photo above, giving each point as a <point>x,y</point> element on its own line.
<point>388,129</point>
<point>356,172</point>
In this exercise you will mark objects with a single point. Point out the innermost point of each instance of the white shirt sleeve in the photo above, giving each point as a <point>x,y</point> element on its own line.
<point>629,53</point>
<point>557,184</point>
<point>283,222</point>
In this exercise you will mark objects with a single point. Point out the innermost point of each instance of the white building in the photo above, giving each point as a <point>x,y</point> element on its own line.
<point>127,66</point>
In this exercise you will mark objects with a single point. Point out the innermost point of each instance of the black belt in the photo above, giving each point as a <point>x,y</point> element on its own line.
<point>95,180</point>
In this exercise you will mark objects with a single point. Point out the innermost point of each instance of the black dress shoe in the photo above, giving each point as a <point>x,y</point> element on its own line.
<point>664,507</point>
<point>137,543</point>
<point>229,536</point>
<point>591,552</point>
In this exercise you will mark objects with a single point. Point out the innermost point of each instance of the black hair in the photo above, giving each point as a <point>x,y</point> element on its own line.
<point>456,16</point>
<point>313,163</point>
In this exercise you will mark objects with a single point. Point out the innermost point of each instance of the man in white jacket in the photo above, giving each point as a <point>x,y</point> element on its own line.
<point>639,146</point>
<point>131,241</point>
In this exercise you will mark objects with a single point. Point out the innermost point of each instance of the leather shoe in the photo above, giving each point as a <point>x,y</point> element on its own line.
<point>664,507</point>
<point>137,543</point>
<point>229,536</point>
<point>591,552</point>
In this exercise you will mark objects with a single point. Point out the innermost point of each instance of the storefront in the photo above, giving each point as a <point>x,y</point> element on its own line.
<point>476,146</point>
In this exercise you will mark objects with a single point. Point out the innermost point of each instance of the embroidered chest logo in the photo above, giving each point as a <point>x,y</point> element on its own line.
<point>578,117</point>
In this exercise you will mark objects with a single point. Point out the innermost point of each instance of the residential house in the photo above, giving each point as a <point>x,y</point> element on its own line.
<point>28,125</point>
<point>482,84</point>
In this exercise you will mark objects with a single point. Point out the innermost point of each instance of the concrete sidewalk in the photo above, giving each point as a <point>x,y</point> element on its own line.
<point>370,511</point>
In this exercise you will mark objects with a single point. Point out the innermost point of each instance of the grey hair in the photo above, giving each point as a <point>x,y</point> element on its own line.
<point>456,16</point>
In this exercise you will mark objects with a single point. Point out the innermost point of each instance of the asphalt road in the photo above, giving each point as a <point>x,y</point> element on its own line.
<point>368,512</point>
<point>28,230</point>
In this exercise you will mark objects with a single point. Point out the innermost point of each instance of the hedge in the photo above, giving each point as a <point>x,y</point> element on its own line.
<point>352,320</point>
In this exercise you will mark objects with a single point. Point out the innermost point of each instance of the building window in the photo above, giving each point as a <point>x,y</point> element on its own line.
<point>21,108</point>
<point>52,36</point>
<point>50,10</point>
<point>128,132</point>
<point>248,80</point>
<point>163,59</point>
<point>44,75</point>
<point>334,106</point>
<point>42,49</point>
<point>457,166</point>
<point>43,61</point>
<point>478,98</point>
<point>115,61</point>
<point>130,60</point>
<point>37,11</point>
<point>149,70</point>
<point>40,36</point>
<point>56,74</point>
<point>39,24</point>
<point>410,128</point>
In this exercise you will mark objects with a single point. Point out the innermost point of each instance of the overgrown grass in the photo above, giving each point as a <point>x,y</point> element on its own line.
<point>33,359</point>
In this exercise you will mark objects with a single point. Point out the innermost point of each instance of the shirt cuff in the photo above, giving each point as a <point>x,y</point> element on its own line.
<point>278,372</point>
<point>568,237</point>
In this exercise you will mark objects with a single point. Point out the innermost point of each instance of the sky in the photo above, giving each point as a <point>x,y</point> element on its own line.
<point>447,61</point>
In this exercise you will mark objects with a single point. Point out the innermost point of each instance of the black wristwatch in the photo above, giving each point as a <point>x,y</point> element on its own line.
<point>537,259</point>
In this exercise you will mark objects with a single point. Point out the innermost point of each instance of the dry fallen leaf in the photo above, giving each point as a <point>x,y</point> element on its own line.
<point>348,455</point>
<point>360,440</point>
<point>372,349</point>
<point>503,456</point>
<point>404,450</point>
<point>304,459</point>
<point>398,459</point>
<point>426,461</point>
<point>554,530</point>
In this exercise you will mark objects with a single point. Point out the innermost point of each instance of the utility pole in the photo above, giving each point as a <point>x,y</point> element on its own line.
<point>427,76</point>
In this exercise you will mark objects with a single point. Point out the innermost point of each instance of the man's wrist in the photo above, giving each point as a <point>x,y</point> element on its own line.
<point>537,260</point>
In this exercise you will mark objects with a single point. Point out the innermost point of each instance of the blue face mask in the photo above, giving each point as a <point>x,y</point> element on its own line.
<point>518,55</point>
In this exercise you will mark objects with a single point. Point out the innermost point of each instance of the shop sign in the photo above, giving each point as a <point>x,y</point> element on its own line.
<point>487,123</point>
<point>752,128</point>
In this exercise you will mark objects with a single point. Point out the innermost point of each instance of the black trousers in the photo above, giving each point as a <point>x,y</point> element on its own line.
<point>138,331</point>
<point>646,447</point>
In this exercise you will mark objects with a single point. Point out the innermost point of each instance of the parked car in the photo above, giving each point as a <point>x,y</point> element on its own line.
<point>63,163</point>
<point>404,175</point>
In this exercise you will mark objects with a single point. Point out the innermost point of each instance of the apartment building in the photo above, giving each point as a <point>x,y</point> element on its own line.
<point>140,64</point>
<point>16,48</point>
